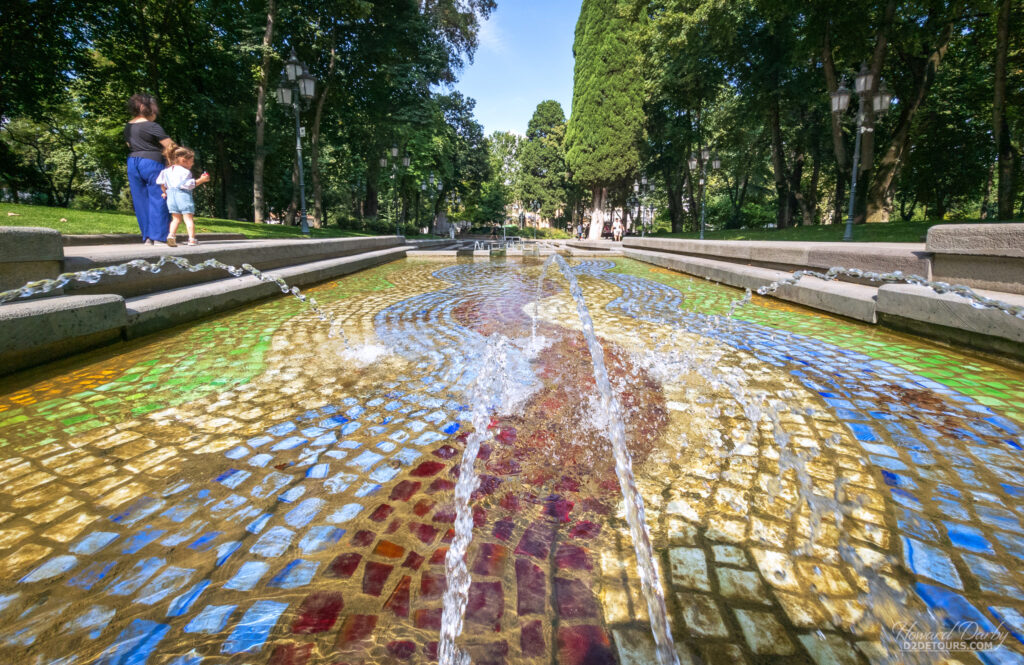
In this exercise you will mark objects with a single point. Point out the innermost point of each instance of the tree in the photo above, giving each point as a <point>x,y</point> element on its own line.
<point>603,135</point>
<point>542,161</point>
<point>260,157</point>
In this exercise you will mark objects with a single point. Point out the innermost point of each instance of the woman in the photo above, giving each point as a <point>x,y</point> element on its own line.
<point>146,142</point>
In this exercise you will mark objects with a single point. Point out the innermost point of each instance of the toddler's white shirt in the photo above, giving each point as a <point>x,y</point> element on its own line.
<point>176,177</point>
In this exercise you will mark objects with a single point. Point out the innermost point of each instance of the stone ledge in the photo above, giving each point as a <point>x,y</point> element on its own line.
<point>39,331</point>
<point>977,239</point>
<point>28,254</point>
<point>263,254</point>
<point>152,312</point>
<point>77,240</point>
<point>791,256</point>
<point>851,300</point>
<point>952,318</point>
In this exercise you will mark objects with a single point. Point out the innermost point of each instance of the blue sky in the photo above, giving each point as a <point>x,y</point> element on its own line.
<point>524,57</point>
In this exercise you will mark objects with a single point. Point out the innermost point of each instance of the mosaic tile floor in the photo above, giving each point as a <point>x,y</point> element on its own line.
<point>242,491</point>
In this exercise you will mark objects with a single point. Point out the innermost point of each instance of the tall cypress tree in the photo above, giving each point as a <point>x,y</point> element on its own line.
<point>606,125</point>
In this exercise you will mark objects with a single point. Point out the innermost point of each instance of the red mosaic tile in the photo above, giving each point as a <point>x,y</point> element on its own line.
<point>404,490</point>
<point>393,526</point>
<point>318,612</point>
<point>531,587</point>
<point>510,502</point>
<point>484,452</point>
<point>449,536</point>
<point>558,508</point>
<point>479,517</point>
<point>423,506</point>
<point>446,451</point>
<point>290,654</point>
<point>356,628</point>
<point>584,645</point>
<point>388,549</point>
<point>488,485</point>
<point>575,600</point>
<point>503,529</point>
<point>399,600</point>
<point>374,577</point>
<point>402,649</point>
<point>432,585</point>
<point>595,506</point>
<point>505,467</point>
<point>424,532</point>
<point>413,561</point>
<point>344,565</point>
<point>486,603</point>
<point>431,650</point>
<point>536,540</point>
<point>363,538</point>
<point>506,435</point>
<point>437,558</point>
<point>567,484</point>
<point>446,515</point>
<point>584,529</point>
<point>427,469</point>
<point>440,485</point>
<point>428,619</point>
<point>490,560</point>
<point>572,557</point>
<point>381,513</point>
<point>531,640</point>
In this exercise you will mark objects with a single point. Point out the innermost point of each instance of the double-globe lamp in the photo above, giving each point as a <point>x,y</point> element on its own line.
<point>297,83</point>
<point>880,101</point>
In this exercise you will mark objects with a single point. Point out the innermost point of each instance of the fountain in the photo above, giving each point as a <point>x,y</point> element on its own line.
<point>509,481</point>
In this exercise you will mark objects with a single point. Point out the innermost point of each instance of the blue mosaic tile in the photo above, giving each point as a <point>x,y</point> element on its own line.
<point>225,550</point>
<point>258,441</point>
<point>167,582</point>
<point>233,478</point>
<point>253,629</point>
<point>383,473</point>
<point>211,619</point>
<point>271,484</point>
<point>993,577</point>
<point>320,538</point>
<point>94,542</point>
<point>183,603</point>
<point>303,514</point>
<point>999,518</point>
<point>93,621</point>
<point>289,443</point>
<point>273,543</point>
<point>238,452</point>
<point>91,574</point>
<point>930,562</point>
<point>247,576</point>
<point>138,510</point>
<point>50,568</point>
<point>968,538</point>
<point>296,574</point>
<point>293,494</point>
<point>135,643</point>
<point>282,429</point>
<point>261,460</point>
<point>131,580</point>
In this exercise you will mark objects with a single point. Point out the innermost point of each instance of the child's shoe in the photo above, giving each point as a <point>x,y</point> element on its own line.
<point>172,241</point>
<point>192,241</point>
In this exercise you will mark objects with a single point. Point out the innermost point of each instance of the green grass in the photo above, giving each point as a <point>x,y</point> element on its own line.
<point>891,232</point>
<point>73,222</point>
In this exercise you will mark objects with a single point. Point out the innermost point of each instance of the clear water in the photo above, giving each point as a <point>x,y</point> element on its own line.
<point>248,490</point>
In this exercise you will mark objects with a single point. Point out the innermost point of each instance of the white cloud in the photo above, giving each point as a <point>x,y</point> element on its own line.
<point>490,36</point>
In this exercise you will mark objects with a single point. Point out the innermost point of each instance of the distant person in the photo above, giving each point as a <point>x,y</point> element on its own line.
<point>146,142</point>
<point>177,184</point>
<point>617,230</point>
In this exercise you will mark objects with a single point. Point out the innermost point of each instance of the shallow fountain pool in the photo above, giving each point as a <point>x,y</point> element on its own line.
<point>248,490</point>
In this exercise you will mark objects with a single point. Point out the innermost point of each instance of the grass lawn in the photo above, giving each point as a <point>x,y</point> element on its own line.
<point>892,232</point>
<point>88,221</point>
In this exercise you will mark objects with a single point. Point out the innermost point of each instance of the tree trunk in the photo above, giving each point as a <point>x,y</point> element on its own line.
<point>260,156</point>
<point>674,191</point>
<point>314,149</point>
<point>987,194</point>
<point>1006,190</point>
<point>838,143</point>
<point>923,72</point>
<point>867,139</point>
<point>372,207</point>
<point>809,197</point>
<point>290,217</point>
<point>598,199</point>
<point>778,165</point>
<point>796,193</point>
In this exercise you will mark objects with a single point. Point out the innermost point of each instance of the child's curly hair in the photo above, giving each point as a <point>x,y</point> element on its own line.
<point>175,153</point>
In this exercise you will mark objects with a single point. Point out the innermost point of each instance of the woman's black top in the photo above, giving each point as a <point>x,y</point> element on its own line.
<point>143,139</point>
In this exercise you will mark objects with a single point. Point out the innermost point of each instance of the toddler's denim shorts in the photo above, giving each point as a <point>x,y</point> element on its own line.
<point>179,201</point>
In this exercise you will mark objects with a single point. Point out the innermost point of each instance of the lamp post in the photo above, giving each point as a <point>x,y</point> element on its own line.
<point>716,163</point>
<point>395,180</point>
<point>297,83</point>
<point>880,101</point>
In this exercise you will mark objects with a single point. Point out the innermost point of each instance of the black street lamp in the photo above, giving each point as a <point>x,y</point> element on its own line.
<point>395,180</point>
<point>296,83</point>
<point>880,101</point>
<point>716,163</point>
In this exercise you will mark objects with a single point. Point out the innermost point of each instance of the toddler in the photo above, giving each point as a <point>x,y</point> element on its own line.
<point>177,183</point>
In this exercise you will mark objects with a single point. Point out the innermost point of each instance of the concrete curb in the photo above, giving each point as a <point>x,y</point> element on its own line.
<point>152,312</point>
<point>851,300</point>
<point>38,331</point>
<point>134,238</point>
